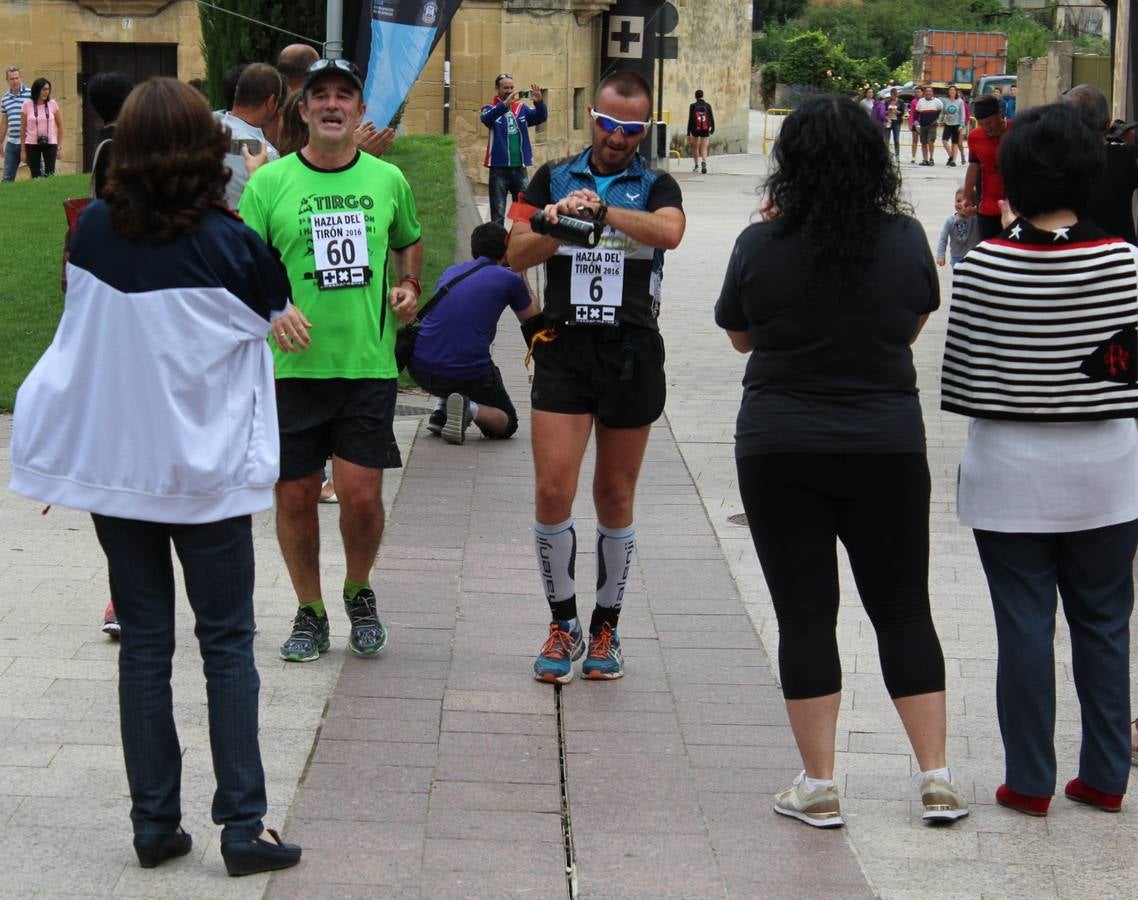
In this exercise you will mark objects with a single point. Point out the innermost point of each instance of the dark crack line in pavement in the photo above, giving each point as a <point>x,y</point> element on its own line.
<point>566,816</point>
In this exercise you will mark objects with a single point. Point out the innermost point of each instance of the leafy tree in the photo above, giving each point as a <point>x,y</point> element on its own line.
<point>769,82</point>
<point>228,40</point>
<point>1026,37</point>
<point>806,59</point>
<point>768,12</point>
<point>854,42</point>
<point>772,42</point>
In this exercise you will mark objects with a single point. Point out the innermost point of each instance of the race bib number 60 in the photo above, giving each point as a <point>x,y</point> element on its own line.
<point>596,288</point>
<point>339,244</point>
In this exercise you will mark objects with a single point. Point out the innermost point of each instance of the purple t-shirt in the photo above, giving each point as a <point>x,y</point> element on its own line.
<point>455,337</point>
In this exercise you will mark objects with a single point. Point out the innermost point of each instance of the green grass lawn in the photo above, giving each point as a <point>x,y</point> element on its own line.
<point>32,226</point>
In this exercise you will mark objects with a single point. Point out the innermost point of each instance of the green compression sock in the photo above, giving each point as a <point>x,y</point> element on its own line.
<point>317,606</point>
<point>351,588</point>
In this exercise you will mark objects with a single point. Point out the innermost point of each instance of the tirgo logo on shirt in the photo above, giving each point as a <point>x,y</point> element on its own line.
<point>335,201</point>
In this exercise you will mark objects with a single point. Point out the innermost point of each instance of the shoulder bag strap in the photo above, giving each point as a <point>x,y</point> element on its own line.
<point>95,165</point>
<point>445,289</point>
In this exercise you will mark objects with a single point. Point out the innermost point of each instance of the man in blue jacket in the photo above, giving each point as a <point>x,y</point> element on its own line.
<point>508,150</point>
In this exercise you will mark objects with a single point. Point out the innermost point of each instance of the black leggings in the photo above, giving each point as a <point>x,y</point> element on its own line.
<point>877,504</point>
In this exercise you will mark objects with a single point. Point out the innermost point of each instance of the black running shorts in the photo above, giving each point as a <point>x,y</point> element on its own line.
<point>615,374</point>
<point>351,418</point>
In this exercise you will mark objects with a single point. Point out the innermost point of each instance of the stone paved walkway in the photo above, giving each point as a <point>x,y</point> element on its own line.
<point>442,769</point>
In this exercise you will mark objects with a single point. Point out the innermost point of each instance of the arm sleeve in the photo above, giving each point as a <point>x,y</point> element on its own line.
<point>942,243</point>
<point>691,119</point>
<point>252,210</point>
<point>711,119</point>
<point>491,112</point>
<point>729,313</point>
<point>973,237</point>
<point>538,192</point>
<point>928,268</point>
<point>665,191</point>
<point>268,281</point>
<point>519,294</point>
<point>538,113</point>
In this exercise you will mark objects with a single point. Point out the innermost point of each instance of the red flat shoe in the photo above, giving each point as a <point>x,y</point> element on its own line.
<point>1081,792</point>
<point>1024,803</point>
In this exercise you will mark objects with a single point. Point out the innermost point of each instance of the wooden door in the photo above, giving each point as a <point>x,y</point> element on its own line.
<point>137,61</point>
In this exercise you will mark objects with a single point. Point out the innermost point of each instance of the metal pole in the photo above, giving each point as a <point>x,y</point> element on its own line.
<point>661,150</point>
<point>334,28</point>
<point>446,81</point>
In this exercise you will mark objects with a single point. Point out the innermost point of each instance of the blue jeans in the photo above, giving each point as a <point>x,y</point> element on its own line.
<point>1091,570</point>
<point>511,180</point>
<point>894,129</point>
<point>217,562</point>
<point>11,160</point>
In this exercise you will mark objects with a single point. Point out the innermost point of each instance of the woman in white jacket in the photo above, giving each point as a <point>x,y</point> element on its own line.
<point>154,410</point>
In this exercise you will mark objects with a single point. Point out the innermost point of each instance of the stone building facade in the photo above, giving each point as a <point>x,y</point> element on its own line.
<point>555,43</point>
<point>62,40</point>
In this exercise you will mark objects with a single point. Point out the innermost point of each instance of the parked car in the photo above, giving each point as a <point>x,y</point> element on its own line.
<point>987,82</point>
<point>905,91</point>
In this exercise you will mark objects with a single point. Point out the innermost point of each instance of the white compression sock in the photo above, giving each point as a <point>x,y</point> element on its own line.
<point>556,547</point>
<point>615,547</point>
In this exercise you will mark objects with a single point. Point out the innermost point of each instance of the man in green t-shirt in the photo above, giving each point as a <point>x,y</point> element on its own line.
<point>335,215</point>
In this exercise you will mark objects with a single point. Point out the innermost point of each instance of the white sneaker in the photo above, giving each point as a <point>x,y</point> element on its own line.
<point>943,802</point>
<point>820,808</point>
<point>458,419</point>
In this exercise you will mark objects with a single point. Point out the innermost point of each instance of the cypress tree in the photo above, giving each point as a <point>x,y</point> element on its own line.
<point>228,40</point>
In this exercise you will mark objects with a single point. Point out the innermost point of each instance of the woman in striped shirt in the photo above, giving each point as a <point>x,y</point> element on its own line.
<point>1041,354</point>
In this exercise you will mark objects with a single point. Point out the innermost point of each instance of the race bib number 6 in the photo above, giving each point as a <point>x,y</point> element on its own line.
<point>596,288</point>
<point>339,244</point>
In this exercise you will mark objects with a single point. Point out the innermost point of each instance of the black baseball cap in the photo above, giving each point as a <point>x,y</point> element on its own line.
<point>985,106</point>
<point>323,68</point>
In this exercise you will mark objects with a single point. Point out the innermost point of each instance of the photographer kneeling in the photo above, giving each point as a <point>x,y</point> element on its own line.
<point>452,352</point>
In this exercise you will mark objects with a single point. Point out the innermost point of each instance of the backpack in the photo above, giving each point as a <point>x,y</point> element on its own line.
<point>702,123</point>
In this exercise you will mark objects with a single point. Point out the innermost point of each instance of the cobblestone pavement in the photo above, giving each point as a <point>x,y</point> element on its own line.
<point>443,770</point>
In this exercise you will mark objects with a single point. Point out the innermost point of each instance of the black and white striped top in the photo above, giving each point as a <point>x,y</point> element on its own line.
<point>1032,312</point>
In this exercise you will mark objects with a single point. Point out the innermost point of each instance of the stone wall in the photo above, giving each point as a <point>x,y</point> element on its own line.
<point>43,38</point>
<point>715,57</point>
<point>1044,80</point>
<point>556,43</point>
<point>488,39</point>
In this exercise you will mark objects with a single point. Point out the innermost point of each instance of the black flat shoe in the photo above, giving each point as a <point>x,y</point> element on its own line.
<point>155,849</point>
<point>257,855</point>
